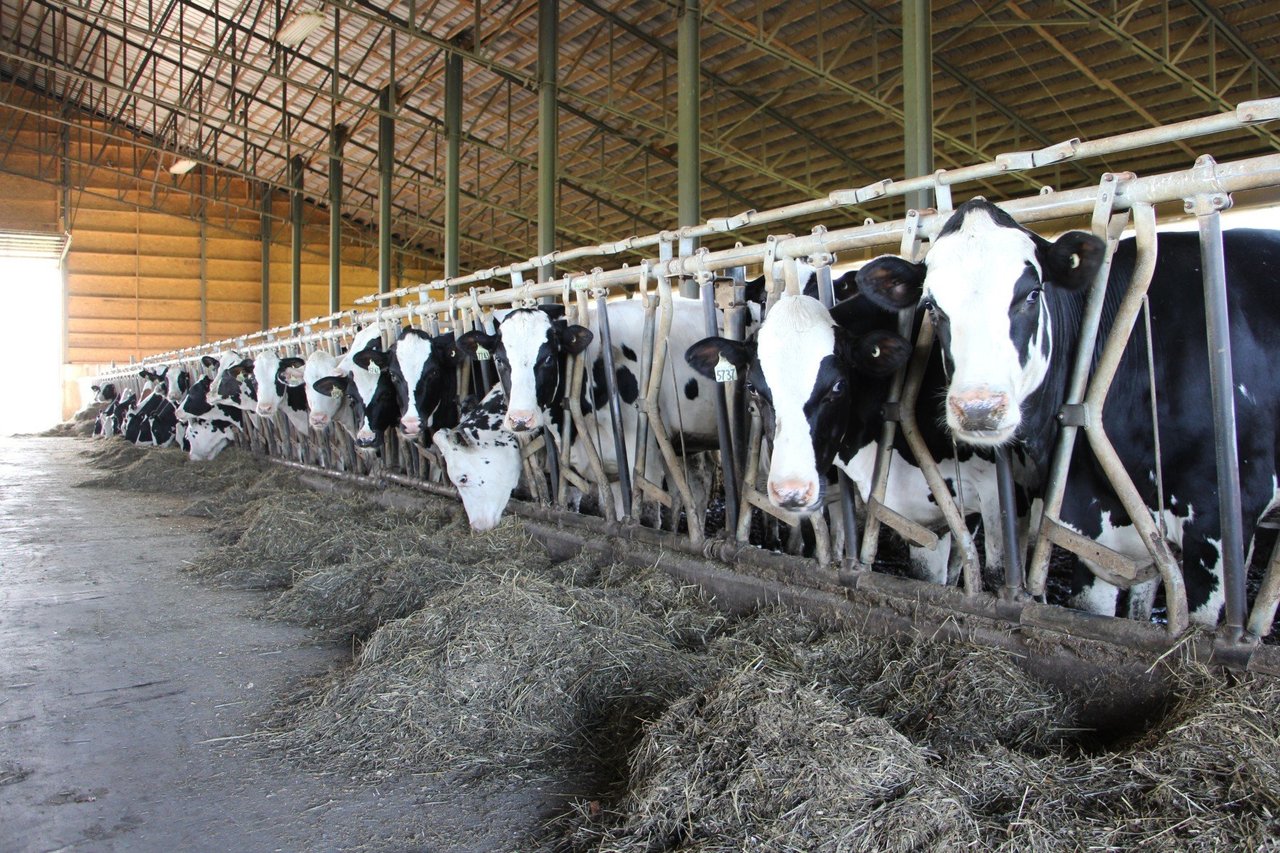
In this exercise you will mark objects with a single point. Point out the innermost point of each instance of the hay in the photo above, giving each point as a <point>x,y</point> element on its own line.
<point>758,762</point>
<point>168,470</point>
<point>277,538</point>
<point>112,453</point>
<point>503,672</point>
<point>80,424</point>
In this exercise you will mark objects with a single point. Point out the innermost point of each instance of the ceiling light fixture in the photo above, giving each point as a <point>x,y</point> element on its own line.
<point>182,166</point>
<point>297,27</point>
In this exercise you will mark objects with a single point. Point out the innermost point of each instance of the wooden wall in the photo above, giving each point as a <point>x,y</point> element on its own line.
<point>142,280</point>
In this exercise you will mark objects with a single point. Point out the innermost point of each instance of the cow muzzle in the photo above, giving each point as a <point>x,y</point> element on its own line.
<point>266,408</point>
<point>410,427</point>
<point>795,494</point>
<point>520,421</point>
<point>368,439</point>
<point>979,411</point>
<point>319,419</point>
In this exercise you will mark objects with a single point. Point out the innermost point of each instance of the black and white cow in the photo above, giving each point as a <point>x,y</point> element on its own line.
<point>531,348</point>
<point>281,388</point>
<point>153,422</point>
<point>104,396</point>
<point>375,406</point>
<point>112,418</point>
<point>1007,305</point>
<point>233,382</point>
<point>822,378</point>
<point>208,426</point>
<point>177,382</point>
<point>482,459</point>
<point>325,387</point>
<point>423,370</point>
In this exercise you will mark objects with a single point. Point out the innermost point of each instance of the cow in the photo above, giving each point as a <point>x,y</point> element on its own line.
<point>375,406</point>
<point>1006,303</point>
<point>104,396</point>
<point>208,424</point>
<point>112,417</point>
<point>822,378</point>
<point>177,382</point>
<point>423,370</point>
<point>325,389</point>
<point>531,347</point>
<point>153,422</point>
<point>281,388</point>
<point>482,459</point>
<point>233,383</point>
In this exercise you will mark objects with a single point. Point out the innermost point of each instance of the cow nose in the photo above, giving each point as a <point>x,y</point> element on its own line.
<point>520,421</point>
<point>319,420</point>
<point>792,494</point>
<point>410,426</point>
<point>979,410</point>
<point>266,408</point>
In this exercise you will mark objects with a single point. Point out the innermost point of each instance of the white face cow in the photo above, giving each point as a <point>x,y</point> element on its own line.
<point>325,384</point>
<point>483,460</point>
<point>233,383</point>
<point>983,279</point>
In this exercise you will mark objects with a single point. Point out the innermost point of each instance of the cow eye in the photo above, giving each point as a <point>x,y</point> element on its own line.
<point>836,389</point>
<point>1033,297</point>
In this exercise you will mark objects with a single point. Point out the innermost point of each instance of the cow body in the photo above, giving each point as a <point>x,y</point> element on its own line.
<point>482,459</point>
<point>207,426</point>
<point>1007,304</point>
<point>153,422</point>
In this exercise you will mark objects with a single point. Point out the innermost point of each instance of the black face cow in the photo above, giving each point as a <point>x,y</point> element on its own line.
<point>373,396</point>
<point>1007,303</point>
<point>153,422</point>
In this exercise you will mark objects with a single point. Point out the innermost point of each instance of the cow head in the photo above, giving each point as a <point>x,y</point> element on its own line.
<point>989,284</point>
<point>104,393</point>
<point>423,371</point>
<point>177,382</point>
<point>326,387</point>
<point>207,438</point>
<point>808,375</point>
<point>529,349</point>
<point>483,460</point>
<point>273,376</point>
<point>233,378</point>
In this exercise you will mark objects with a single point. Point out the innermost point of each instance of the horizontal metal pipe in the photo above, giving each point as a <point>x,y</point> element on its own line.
<point>1240,175</point>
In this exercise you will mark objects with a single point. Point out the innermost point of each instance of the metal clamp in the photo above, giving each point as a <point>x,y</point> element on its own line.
<point>731,223</point>
<point>910,236</point>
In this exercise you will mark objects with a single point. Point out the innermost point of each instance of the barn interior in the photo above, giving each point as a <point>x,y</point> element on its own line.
<point>253,656</point>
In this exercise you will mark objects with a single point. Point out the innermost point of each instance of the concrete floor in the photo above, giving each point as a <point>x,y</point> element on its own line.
<point>127,691</point>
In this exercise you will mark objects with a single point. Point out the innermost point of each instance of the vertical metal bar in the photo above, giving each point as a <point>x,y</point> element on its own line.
<point>1222,385</point>
<point>848,518</point>
<point>1013,575</point>
<point>295,219</point>
<point>548,131</point>
<point>204,269</point>
<point>728,457</point>
<point>337,141</point>
<point>452,160</point>
<point>688,121</point>
<point>264,237</point>
<point>917,95</point>
<point>615,404</point>
<point>386,163</point>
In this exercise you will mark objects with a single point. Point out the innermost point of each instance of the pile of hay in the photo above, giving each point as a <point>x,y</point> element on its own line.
<point>760,762</point>
<point>277,538</point>
<point>80,424</point>
<point>495,672</point>
<point>112,453</point>
<point>168,470</point>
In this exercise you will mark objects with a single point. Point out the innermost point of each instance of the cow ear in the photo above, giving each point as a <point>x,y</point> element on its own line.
<point>446,440</point>
<point>471,341</point>
<point>448,348</point>
<point>754,291</point>
<point>706,354</point>
<point>369,356</point>
<point>878,353</point>
<point>575,338</point>
<point>291,362</point>
<point>208,361</point>
<point>553,310</point>
<point>1072,261</point>
<point>327,385</point>
<point>891,282</point>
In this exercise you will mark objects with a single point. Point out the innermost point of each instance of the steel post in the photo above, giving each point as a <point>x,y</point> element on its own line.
<point>295,221</point>
<point>727,455</point>
<point>548,131</point>
<point>338,141</point>
<point>452,166</point>
<point>615,402</point>
<point>1014,581</point>
<point>917,97</point>
<point>688,121</point>
<point>1206,207</point>
<point>386,164</point>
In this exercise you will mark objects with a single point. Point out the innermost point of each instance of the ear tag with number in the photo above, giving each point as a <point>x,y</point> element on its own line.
<point>336,393</point>
<point>482,354</point>
<point>373,368</point>
<point>725,371</point>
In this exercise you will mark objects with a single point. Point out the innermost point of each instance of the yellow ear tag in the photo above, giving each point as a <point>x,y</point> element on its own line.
<point>482,354</point>
<point>725,371</point>
<point>336,393</point>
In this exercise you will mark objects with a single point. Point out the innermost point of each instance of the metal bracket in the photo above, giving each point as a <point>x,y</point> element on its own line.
<point>1216,200</point>
<point>910,236</point>
<point>1267,109</point>
<point>941,192</point>
<point>731,223</point>
<point>1074,415</point>
<point>1048,155</point>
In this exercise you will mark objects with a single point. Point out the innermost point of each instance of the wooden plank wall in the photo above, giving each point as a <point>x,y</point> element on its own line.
<point>135,276</point>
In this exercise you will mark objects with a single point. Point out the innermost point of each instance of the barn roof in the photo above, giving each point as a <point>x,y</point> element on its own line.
<point>798,99</point>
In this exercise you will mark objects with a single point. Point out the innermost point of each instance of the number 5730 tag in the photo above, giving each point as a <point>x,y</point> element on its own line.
<point>725,371</point>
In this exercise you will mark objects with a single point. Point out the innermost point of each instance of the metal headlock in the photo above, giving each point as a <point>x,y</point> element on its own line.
<point>1205,188</point>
